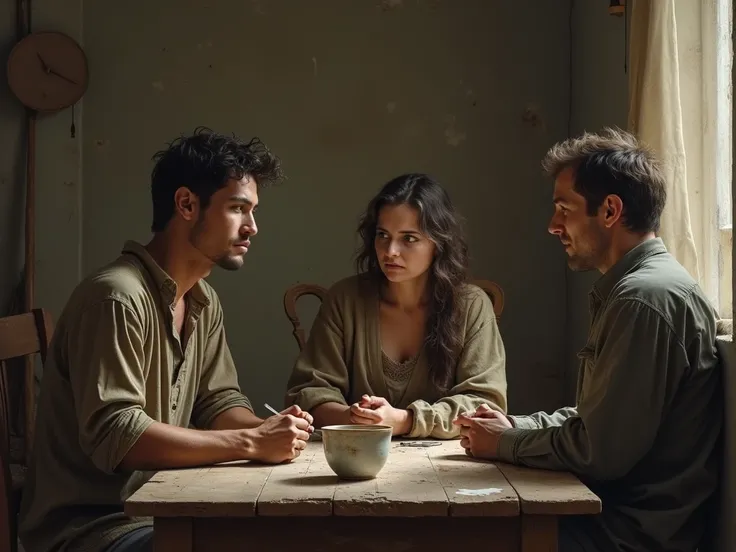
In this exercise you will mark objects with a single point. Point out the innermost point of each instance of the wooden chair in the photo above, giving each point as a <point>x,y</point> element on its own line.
<point>495,294</point>
<point>23,335</point>
<point>292,295</point>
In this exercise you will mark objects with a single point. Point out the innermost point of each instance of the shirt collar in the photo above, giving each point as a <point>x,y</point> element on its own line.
<point>628,263</point>
<point>165,283</point>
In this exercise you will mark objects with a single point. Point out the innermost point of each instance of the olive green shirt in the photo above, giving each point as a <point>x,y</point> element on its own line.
<point>342,360</point>
<point>645,433</point>
<point>116,365</point>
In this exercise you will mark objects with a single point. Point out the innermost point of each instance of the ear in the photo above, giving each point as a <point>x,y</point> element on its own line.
<point>186,204</point>
<point>611,210</point>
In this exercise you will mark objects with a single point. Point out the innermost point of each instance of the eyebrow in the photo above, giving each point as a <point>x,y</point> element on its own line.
<point>417,232</point>
<point>242,199</point>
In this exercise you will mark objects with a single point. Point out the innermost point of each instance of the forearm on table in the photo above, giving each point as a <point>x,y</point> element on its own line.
<point>163,446</point>
<point>432,420</point>
<point>541,420</point>
<point>405,423</point>
<point>436,419</point>
<point>237,417</point>
<point>330,413</point>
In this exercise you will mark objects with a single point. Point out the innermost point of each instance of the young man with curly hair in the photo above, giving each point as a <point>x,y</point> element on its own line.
<point>139,375</point>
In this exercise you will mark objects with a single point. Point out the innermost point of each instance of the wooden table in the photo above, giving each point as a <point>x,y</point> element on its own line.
<point>424,499</point>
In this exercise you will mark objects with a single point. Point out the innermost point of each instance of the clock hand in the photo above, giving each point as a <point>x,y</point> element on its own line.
<point>50,71</point>
<point>43,63</point>
<point>67,79</point>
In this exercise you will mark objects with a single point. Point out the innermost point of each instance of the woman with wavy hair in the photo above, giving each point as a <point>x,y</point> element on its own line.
<point>407,342</point>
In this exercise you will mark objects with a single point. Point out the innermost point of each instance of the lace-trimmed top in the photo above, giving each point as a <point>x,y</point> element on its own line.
<point>397,375</point>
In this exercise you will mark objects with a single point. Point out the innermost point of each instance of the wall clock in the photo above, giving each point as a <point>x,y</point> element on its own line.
<point>47,71</point>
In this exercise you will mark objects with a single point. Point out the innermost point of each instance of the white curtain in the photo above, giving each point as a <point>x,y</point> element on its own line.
<point>679,104</point>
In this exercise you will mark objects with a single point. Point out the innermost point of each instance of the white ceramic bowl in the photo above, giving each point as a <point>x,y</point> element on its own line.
<point>356,451</point>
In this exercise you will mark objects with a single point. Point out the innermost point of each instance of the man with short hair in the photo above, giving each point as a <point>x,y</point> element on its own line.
<point>644,434</point>
<point>139,355</point>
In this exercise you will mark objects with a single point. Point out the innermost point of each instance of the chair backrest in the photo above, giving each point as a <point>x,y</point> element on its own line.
<point>292,295</point>
<point>22,335</point>
<point>495,293</point>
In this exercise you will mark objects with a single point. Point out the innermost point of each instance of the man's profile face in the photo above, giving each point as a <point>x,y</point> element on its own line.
<point>582,235</point>
<point>223,231</point>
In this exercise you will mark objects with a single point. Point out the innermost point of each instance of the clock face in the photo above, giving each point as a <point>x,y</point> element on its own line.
<point>47,71</point>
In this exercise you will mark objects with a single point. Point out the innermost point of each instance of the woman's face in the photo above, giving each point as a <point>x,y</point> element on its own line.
<point>403,251</point>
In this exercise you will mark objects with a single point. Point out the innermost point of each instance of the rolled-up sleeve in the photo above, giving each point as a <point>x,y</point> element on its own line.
<point>218,388</point>
<point>637,359</point>
<point>540,420</point>
<point>107,375</point>
<point>480,377</point>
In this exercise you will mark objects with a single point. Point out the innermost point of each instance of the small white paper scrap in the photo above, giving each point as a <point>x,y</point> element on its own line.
<point>478,492</point>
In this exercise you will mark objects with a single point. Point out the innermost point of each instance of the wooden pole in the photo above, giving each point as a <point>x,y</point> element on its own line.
<point>30,274</point>
<point>29,395</point>
<point>30,238</point>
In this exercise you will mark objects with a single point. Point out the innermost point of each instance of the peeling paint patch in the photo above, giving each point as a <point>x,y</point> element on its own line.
<point>533,117</point>
<point>391,107</point>
<point>453,136</point>
<point>158,85</point>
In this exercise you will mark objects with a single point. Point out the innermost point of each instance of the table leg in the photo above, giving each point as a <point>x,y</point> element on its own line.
<point>538,533</point>
<point>172,534</point>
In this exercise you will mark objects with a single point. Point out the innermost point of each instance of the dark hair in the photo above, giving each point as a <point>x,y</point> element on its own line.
<point>613,162</point>
<point>204,162</point>
<point>439,221</point>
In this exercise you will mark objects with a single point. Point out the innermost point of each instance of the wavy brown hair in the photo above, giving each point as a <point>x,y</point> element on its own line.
<point>439,221</point>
